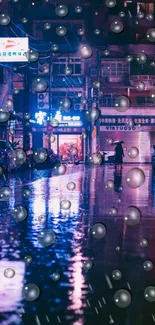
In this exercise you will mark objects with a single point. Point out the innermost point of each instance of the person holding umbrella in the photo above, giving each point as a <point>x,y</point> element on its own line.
<point>119,153</point>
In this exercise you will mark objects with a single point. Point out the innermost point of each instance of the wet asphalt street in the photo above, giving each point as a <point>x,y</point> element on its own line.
<point>78,296</point>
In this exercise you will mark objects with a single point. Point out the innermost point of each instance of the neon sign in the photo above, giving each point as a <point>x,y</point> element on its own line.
<point>68,120</point>
<point>40,117</point>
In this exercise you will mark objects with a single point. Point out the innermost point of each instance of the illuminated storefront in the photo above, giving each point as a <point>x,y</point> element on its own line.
<point>67,137</point>
<point>136,132</point>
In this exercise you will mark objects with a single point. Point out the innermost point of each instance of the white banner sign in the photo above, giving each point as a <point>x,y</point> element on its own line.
<point>128,128</point>
<point>14,49</point>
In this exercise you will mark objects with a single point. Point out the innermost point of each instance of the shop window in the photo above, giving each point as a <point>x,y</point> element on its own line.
<point>114,68</point>
<point>60,65</point>
<point>75,98</point>
<point>67,142</point>
<point>145,7</point>
<point>143,101</point>
<point>108,100</point>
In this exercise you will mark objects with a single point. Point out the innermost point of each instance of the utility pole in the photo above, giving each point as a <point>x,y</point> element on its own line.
<point>26,125</point>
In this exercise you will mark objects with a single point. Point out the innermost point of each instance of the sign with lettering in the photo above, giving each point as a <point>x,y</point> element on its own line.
<point>68,120</point>
<point>128,128</point>
<point>14,49</point>
<point>115,120</point>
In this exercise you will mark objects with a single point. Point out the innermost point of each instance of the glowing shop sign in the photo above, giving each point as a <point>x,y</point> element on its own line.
<point>14,49</point>
<point>68,120</point>
<point>40,117</point>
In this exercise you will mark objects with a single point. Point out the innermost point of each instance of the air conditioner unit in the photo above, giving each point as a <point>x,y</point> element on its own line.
<point>43,100</point>
<point>93,72</point>
<point>77,107</point>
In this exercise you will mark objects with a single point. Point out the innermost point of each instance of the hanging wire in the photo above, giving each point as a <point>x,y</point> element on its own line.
<point>31,37</point>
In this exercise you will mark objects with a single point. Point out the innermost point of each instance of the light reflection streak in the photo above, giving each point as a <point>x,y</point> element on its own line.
<point>11,289</point>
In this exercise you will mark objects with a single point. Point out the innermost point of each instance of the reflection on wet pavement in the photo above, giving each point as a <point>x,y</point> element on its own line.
<point>80,296</point>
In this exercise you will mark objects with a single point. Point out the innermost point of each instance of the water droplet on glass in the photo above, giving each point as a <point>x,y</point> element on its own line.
<point>68,71</point>
<point>9,104</point>
<point>109,184</point>
<point>61,169</point>
<point>5,193</point>
<point>27,193</point>
<point>61,30</point>
<point>4,20</point>
<point>47,26</point>
<point>28,259</point>
<point>65,104</point>
<point>9,273</point>
<point>96,84</point>
<point>19,213</point>
<point>71,186</point>
<point>149,17</point>
<point>27,116</point>
<point>129,58</point>
<point>135,177</point>
<point>78,9</point>
<point>47,237</point>
<point>87,265</point>
<point>110,140</point>
<point>92,114</point>
<point>61,10</point>
<point>32,55</point>
<point>54,123</point>
<point>39,85</point>
<point>95,160</point>
<point>116,27</point>
<point>85,52</point>
<point>140,85</point>
<point>106,52</point>
<point>30,292</point>
<point>149,293</point>
<point>4,116</point>
<point>16,91</point>
<point>19,157</point>
<point>133,152</point>
<point>24,20</point>
<point>141,58</point>
<point>132,216</point>
<point>117,275</point>
<point>122,14</point>
<point>150,34</point>
<point>42,219</point>
<point>148,266</point>
<point>98,231</point>
<point>80,31</point>
<point>73,151</point>
<point>55,276</point>
<point>113,212</point>
<point>97,31</point>
<point>144,242</point>
<point>122,298</point>
<point>140,15</point>
<point>84,101</point>
<point>54,47</point>
<point>65,205</point>
<point>122,103</point>
<point>40,155</point>
<point>110,3</point>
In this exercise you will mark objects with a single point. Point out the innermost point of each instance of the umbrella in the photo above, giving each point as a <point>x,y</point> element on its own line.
<point>116,142</point>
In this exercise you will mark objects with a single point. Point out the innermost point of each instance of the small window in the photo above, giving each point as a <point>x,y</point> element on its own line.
<point>77,68</point>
